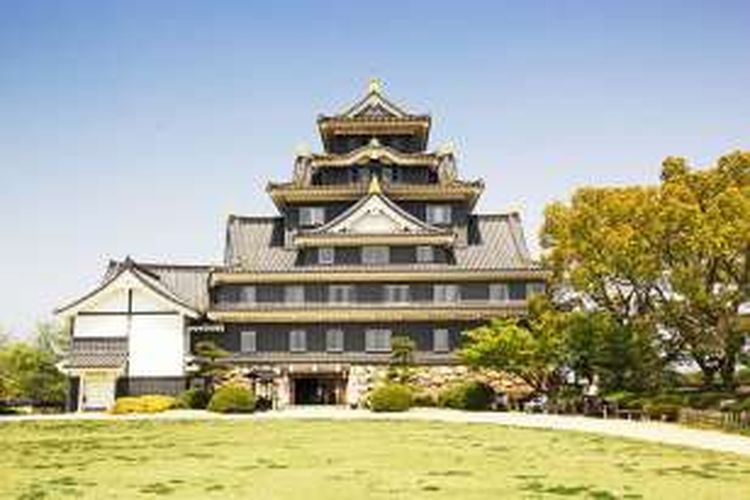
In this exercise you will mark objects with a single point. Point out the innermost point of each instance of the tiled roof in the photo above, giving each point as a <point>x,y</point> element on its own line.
<point>188,283</point>
<point>98,353</point>
<point>255,244</point>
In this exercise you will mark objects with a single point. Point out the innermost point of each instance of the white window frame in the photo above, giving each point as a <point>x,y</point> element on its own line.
<point>425,253</point>
<point>378,340</point>
<point>441,340</point>
<point>376,255</point>
<point>297,341</point>
<point>326,255</point>
<point>397,294</point>
<point>445,293</point>
<point>347,294</point>
<point>248,341</point>
<point>499,292</point>
<point>311,216</point>
<point>294,294</point>
<point>439,214</point>
<point>335,340</point>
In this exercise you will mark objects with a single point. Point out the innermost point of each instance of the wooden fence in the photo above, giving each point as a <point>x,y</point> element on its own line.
<point>729,420</point>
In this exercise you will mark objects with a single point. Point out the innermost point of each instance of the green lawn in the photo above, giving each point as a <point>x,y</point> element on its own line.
<point>348,460</point>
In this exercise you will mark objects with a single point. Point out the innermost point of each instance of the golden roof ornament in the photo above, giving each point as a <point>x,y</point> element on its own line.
<point>374,187</point>
<point>375,86</point>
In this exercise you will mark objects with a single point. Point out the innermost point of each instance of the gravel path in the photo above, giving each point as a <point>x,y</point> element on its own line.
<point>647,431</point>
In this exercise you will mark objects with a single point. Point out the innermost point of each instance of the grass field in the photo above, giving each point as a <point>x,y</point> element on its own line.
<point>348,460</point>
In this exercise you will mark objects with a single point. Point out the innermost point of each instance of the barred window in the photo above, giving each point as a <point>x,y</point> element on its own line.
<point>425,254</point>
<point>441,340</point>
<point>396,293</point>
<point>446,293</point>
<point>375,255</point>
<point>340,293</point>
<point>248,341</point>
<point>335,340</point>
<point>439,214</point>
<point>311,216</point>
<point>499,292</point>
<point>297,341</point>
<point>294,294</point>
<point>378,340</point>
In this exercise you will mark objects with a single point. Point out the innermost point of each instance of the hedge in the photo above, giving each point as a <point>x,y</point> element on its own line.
<point>390,397</point>
<point>232,398</point>
<point>150,403</point>
<point>470,395</point>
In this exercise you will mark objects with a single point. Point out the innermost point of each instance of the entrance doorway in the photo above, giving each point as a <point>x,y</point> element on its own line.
<point>317,390</point>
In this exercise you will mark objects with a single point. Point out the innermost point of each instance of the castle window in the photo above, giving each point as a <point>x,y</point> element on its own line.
<point>445,293</point>
<point>294,294</point>
<point>335,340</point>
<point>378,340</point>
<point>499,292</point>
<point>425,254</point>
<point>441,340</point>
<point>311,216</point>
<point>297,341</point>
<point>375,255</point>
<point>340,293</point>
<point>397,293</point>
<point>438,214</point>
<point>248,341</point>
<point>326,255</point>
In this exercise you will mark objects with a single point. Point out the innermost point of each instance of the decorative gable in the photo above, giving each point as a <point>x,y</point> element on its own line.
<point>374,105</point>
<point>376,216</point>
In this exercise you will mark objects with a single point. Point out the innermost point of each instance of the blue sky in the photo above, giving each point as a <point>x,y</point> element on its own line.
<point>135,127</point>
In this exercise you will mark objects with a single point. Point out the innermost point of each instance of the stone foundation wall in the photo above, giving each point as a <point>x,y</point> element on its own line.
<point>430,380</point>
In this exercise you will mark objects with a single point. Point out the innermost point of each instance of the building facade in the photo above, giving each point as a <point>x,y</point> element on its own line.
<point>375,237</point>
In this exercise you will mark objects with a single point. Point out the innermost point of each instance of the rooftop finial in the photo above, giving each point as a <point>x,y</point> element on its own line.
<point>375,86</point>
<point>374,187</point>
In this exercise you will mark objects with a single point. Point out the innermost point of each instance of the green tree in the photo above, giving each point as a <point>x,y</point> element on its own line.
<point>27,372</point>
<point>402,358</point>
<point>211,360</point>
<point>668,261</point>
<point>530,348</point>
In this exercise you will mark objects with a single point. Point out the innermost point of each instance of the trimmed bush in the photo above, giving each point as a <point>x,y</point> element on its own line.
<point>194,399</point>
<point>232,398</point>
<point>151,403</point>
<point>391,397</point>
<point>472,395</point>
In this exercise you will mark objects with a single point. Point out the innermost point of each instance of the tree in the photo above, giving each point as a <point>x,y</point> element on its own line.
<point>27,372</point>
<point>529,348</point>
<point>671,261</point>
<point>210,360</point>
<point>52,337</point>
<point>705,249</point>
<point>402,358</point>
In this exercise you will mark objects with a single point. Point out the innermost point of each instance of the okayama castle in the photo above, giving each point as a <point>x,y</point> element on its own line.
<point>375,237</point>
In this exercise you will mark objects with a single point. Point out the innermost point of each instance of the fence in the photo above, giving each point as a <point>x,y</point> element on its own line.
<point>730,420</point>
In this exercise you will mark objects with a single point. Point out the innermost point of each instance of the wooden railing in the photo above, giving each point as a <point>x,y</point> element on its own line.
<point>712,419</point>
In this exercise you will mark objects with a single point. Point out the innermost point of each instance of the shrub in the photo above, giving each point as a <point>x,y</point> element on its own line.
<point>151,403</point>
<point>232,398</point>
<point>707,400</point>
<point>664,407</point>
<point>738,406</point>
<point>471,395</point>
<point>391,397</point>
<point>624,399</point>
<point>194,399</point>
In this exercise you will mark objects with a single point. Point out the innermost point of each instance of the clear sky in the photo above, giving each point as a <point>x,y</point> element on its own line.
<point>135,127</point>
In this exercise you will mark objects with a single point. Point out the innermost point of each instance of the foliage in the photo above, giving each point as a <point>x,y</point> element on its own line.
<point>195,399</point>
<point>210,360</point>
<point>390,397</point>
<point>531,349</point>
<point>743,405</point>
<point>53,337</point>
<point>232,398</point>
<point>470,395</point>
<point>402,350</point>
<point>671,260</point>
<point>151,403</point>
<point>707,400</point>
<point>27,372</point>
<point>617,356</point>
<point>424,399</point>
